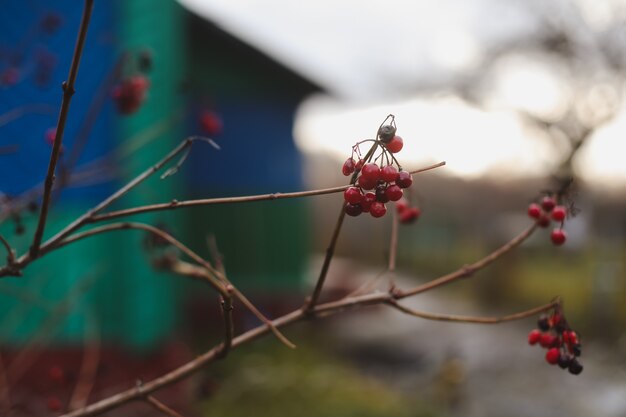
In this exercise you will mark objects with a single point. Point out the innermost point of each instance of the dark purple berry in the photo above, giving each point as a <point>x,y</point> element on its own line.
<point>353,209</point>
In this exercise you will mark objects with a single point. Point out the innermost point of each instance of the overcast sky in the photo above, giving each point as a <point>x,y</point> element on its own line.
<point>374,57</point>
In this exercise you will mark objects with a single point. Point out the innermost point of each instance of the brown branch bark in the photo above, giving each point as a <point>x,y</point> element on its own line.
<point>173,205</point>
<point>214,353</point>
<point>68,92</point>
<point>158,405</point>
<point>469,319</point>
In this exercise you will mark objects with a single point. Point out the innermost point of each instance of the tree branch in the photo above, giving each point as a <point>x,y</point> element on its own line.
<point>158,405</point>
<point>468,270</point>
<point>173,205</point>
<point>470,319</point>
<point>68,92</point>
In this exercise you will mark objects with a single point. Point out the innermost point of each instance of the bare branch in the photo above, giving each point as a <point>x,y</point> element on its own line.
<point>10,251</point>
<point>158,405</point>
<point>173,205</point>
<point>210,274</point>
<point>68,92</point>
<point>469,270</point>
<point>470,319</point>
<point>229,329</point>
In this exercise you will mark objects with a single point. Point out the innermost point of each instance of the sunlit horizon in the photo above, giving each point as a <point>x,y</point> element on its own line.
<point>474,142</point>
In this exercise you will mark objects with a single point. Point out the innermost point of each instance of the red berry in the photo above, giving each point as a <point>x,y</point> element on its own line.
<point>348,167</point>
<point>409,215</point>
<point>559,213</point>
<point>558,236</point>
<point>353,195</point>
<point>388,173</point>
<point>359,164</point>
<point>50,135</point>
<point>543,221</point>
<point>366,183</point>
<point>534,336</point>
<point>56,373</point>
<point>371,171</point>
<point>367,201</point>
<point>553,355</point>
<point>378,209</point>
<point>547,340</point>
<point>10,76</point>
<point>395,144</point>
<point>394,193</point>
<point>130,94</point>
<point>402,205</point>
<point>534,211</point>
<point>548,203</point>
<point>572,337</point>
<point>404,179</point>
<point>353,209</point>
<point>210,123</point>
<point>54,404</point>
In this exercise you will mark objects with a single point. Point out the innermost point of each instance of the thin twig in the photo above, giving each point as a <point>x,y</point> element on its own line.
<point>68,92</point>
<point>213,276</point>
<point>10,252</point>
<point>158,405</point>
<point>219,287</point>
<point>229,329</point>
<point>468,270</point>
<point>393,249</point>
<point>330,251</point>
<point>83,219</point>
<point>218,259</point>
<point>229,200</point>
<point>470,319</point>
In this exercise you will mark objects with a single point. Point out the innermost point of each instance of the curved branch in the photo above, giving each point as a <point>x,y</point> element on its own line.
<point>468,270</point>
<point>470,319</point>
<point>214,353</point>
<point>213,276</point>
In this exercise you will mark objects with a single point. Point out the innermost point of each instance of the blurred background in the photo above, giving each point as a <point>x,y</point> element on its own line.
<point>517,96</point>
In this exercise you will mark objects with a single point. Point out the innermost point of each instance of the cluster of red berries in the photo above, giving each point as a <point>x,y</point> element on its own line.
<point>130,94</point>
<point>406,213</point>
<point>547,211</point>
<point>554,334</point>
<point>374,185</point>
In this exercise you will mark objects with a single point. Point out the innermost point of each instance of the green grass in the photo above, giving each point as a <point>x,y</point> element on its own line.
<point>267,379</point>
